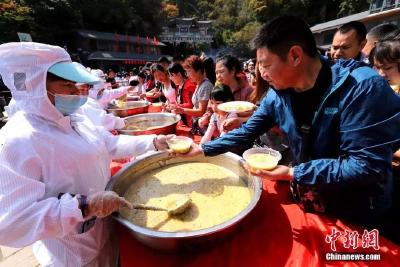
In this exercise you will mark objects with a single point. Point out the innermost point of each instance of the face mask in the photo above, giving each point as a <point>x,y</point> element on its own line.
<point>68,104</point>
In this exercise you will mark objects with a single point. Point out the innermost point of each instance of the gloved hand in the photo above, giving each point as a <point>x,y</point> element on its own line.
<point>160,141</point>
<point>102,204</point>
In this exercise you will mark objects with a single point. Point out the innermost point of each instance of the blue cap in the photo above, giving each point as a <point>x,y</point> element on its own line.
<point>73,71</point>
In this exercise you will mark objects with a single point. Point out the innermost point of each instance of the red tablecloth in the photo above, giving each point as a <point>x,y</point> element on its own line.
<point>154,108</point>
<point>276,233</point>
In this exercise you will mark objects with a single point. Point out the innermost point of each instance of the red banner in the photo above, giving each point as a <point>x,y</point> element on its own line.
<point>134,62</point>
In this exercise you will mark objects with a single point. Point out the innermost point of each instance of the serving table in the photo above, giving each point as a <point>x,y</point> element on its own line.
<point>277,233</point>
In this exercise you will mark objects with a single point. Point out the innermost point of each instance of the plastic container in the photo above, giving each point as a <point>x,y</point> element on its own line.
<point>261,158</point>
<point>180,144</point>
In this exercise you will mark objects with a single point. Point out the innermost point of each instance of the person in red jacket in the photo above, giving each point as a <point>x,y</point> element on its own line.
<point>185,90</point>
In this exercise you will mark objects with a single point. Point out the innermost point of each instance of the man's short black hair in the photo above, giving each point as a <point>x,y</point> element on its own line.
<point>163,59</point>
<point>283,32</point>
<point>380,31</point>
<point>357,26</point>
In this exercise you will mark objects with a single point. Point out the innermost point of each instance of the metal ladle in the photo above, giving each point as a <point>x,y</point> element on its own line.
<point>175,207</point>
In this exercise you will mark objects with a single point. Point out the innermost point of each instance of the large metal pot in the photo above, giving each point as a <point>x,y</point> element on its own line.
<point>130,108</point>
<point>190,239</point>
<point>132,98</point>
<point>150,123</point>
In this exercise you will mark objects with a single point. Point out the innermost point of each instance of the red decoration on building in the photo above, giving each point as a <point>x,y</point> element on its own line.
<point>148,45</point>
<point>116,38</point>
<point>134,62</point>
<point>128,41</point>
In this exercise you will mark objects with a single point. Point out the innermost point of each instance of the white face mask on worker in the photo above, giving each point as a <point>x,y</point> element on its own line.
<point>68,104</point>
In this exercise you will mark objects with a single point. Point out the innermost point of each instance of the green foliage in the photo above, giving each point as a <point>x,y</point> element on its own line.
<point>170,10</point>
<point>240,41</point>
<point>348,7</point>
<point>55,21</point>
<point>14,17</point>
<point>145,16</point>
<point>234,21</point>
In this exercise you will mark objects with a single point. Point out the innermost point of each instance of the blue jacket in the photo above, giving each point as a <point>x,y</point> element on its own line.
<point>356,130</point>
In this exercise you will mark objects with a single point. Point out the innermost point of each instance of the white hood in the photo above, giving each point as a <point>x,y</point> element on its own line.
<point>23,67</point>
<point>94,91</point>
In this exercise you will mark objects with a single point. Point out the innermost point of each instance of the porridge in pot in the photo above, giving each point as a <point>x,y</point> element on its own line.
<point>217,195</point>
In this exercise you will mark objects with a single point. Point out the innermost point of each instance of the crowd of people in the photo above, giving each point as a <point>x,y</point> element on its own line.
<point>338,113</point>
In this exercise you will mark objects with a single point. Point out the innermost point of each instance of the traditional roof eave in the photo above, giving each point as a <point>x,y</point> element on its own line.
<point>112,37</point>
<point>364,16</point>
<point>99,55</point>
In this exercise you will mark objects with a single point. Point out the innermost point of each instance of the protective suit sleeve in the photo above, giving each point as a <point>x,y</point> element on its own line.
<point>111,94</point>
<point>111,122</point>
<point>25,214</point>
<point>123,146</point>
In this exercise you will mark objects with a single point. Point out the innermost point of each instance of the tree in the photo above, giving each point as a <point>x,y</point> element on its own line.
<point>146,16</point>
<point>14,17</point>
<point>348,7</point>
<point>55,20</point>
<point>106,15</point>
<point>170,10</point>
<point>241,40</point>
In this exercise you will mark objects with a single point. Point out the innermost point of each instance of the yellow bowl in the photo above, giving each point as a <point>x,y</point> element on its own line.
<point>180,144</point>
<point>262,158</point>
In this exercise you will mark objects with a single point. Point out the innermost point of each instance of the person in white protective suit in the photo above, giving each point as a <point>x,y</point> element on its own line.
<point>96,113</point>
<point>105,95</point>
<point>54,165</point>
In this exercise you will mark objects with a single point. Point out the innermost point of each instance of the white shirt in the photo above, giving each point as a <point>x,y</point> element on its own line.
<point>169,94</point>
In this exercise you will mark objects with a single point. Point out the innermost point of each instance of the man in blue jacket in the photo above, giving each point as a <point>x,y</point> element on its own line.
<point>342,122</point>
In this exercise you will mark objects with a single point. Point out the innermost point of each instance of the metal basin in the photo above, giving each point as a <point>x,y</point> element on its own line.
<point>172,241</point>
<point>133,97</point>
<point>130,108</point>
<point>151,123</point>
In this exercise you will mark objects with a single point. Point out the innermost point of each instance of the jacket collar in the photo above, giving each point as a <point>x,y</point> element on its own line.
<point>340,72</point>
